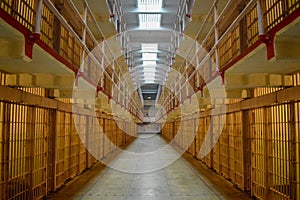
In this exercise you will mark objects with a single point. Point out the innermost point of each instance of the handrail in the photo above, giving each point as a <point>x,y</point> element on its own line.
<point>201,28</point>
<point>95,40</point>
<point>233,24</point>
<point>52,8</point>
<point>66,25</point>
<point>230,28</point>
<point>242,14</point>
<point>180,12</point>
<point>203,25</point>
<point>227,6</point>
<point>205,20</point>
<point>99,29</point>
<point>93,18</point>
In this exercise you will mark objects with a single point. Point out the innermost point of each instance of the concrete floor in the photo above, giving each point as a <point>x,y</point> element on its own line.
<point>185,179</point>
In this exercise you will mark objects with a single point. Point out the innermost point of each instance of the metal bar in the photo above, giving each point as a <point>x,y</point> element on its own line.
<point>38,17</point>
<point>267,131</point>
<point>93,18</point>
<point>216,35</point>
<point>84,36</point>
<point>261,30</point>
<point>235,22</point>
<point>50,5</point>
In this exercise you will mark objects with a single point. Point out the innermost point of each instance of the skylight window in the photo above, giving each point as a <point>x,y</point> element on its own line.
<point>149,78</point>
<point>149,74</point>
<point>149,56</point>
<point>150,5</point>
<point>149,70</point>
<point>149,63</point>
<point>149,47</point>
<point>149,21</point>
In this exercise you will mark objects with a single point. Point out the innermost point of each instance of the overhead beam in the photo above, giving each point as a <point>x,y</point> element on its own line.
<point>254,80</point>
<point>60,81</point>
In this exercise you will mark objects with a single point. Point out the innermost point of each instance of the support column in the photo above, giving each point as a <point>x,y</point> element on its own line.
<point>260,19</point>
<point>38,17</point>
<point>211,140</point>
<point>243,28</point>
<point>216,35</point>
<point>195,133</point>
<point>88,127</point>
<point>85,10</point>
<point>30,130</point>
<point>5,148</point>
<point>294,154</point>
<point>56,29</point>
<point>246,131</point>
<point>52,149</point>
<point>267,161</point>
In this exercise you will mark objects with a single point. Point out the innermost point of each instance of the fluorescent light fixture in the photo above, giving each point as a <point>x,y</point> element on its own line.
<point>149,76</point>
<point>149,63</point>
<point>149,59</point>
<point>150,70</point>
<point>149,47</point>
<point>149,66</point>
<point>149,21</point>
<point>149,56</point>
<point>150,5</point>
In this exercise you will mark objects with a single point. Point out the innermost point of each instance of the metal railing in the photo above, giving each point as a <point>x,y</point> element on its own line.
<point>76,41</point>
<point>256,18</point>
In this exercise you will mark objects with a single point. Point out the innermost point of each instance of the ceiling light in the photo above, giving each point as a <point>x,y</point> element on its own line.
<point>150,5</point>
<point>149,75</point>
<point>149,21</point>
<point>149,70</point>
<point>149,47</point>
<point>149,56</point>
<point>149,97</point>
<point>149,63</point>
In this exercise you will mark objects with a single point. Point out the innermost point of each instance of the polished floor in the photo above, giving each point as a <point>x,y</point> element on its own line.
<point>184,179</point>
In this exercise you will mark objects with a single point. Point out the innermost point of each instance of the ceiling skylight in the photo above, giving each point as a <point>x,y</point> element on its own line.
<point>150,5</point>
<point>149,63</point>
<point>149,56</point>
<point>150,75</point>
<point>149,47</point>
<point>149,69</point>
<point>149,21</point>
